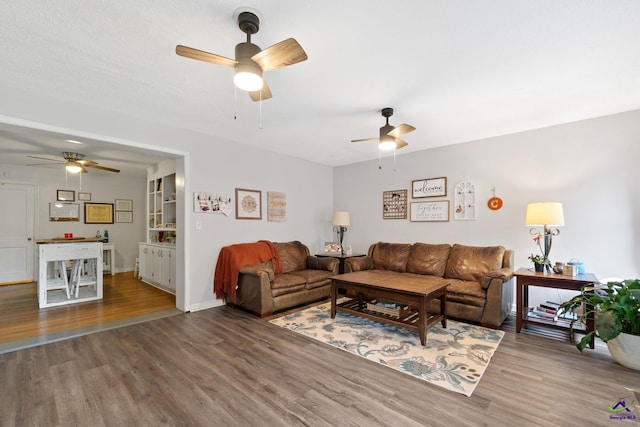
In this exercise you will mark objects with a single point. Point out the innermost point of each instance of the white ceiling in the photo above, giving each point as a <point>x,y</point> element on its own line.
<point>456,70</point>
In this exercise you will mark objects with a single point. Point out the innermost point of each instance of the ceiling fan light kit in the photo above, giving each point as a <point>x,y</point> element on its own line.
<point>389,134</point>
<point>74,167</point>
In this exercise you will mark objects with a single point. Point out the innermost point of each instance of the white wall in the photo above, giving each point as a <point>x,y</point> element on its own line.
<point>104,187</point>
<point>589,166</point>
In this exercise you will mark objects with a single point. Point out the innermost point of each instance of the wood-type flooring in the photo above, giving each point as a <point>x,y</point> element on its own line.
<point>225,367</point>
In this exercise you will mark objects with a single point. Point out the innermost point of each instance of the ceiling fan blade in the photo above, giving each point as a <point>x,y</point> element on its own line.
<point>287,52</point>
<point>365,139</point>
<point>262,94</point>
<point>201,55</point>
<point>96,166</point>
<point>403,129</point>
<point>86,162</point>
<point>45,158</point>
<point>400,143</point>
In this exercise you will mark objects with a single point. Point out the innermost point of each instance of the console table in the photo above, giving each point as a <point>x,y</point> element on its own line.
<point>526,278</point>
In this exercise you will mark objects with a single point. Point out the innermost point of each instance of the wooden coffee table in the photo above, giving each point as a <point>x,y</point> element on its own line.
<point>363,287</point>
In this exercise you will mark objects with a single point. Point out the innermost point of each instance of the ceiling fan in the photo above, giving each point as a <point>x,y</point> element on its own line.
<point>390,135</point>
<point>74,163</point>
<point>250,60</point>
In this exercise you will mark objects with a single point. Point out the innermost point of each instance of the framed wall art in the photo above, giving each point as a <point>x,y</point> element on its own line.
<point>124,216</point>
<point>124,205</point>
<point>430,211</point>
<point>64,211</point>
<point>66,195</point>
<point>432,187</point>
<point>276,206</point>
<point>394,204</point>
<point>84,197</point>
<point>98,213</point>
<point>248,204</point>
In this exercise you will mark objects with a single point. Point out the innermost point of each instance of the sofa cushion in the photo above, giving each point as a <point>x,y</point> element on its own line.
<point>314,278</point>
<point>293,256</point>
<point>428,259</point>
<point>390,256</point>
<point>473,262</point>
<point>286,283</point>
<point>466,291</point>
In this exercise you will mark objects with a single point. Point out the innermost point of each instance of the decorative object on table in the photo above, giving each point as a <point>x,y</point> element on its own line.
<point>389,136</point>
<point>206,202</point>
<point>124,205</point>
<point>547,215</point>
<point>276,206</point>
<point>539,262</point>
<point>432,187</point>
<point>454,358</point>
<point>394,204</point>
<point>429,211</point>
<point>340,223</point>
<point>98,213</point>
<point>66,195</point>
<point>616,307</point>
<point>465,201</point>
<point>59,211</point>
<point>105,237</point>
<point>332,248</point>
<point>250,61</point>
<point>248,204</point>
<point>84,197</point>
<point>494,203</point>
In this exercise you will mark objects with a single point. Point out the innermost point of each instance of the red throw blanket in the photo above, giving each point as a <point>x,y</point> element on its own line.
<point>232,258</point>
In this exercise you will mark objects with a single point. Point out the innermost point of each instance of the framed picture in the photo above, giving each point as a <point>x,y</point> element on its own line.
<point>394,204</point>
<point>332,248</point>
<point>66,196</point>
<point>124,216</point>
<point>85,197</point>
<point>98,213</point>
<point>430,211</point>
<point>248,204</point>
<point>432,187</point>
<point>124,205</point>
<point>64,211</point>
<point>276,206</point>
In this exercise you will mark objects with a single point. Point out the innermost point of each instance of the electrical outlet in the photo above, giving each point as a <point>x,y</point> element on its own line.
<point>198,225</point>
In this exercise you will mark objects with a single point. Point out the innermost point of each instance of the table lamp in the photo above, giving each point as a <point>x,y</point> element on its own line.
<point>340,222</point>
<point>545,214</point>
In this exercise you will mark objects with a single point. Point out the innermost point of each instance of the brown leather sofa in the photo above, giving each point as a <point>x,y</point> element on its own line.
<point>479,278</point>
<point>304,279</point>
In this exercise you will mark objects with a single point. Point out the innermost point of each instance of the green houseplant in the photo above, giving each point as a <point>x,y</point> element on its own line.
<point>539,261</point>
<point>616,308</point>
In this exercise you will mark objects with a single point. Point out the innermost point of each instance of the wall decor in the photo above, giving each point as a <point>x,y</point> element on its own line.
<point>206,202</point>
<point>84,197</point>
<point>432,187</point>
<point>430,211</point>
<point>64,211</point>
<point>465,201</point>
<point>66,195</point>
<point>276,206</point>
<point>248,204</point>
<point>124,205</point>
<point>494,203</point>
<point>394,204</point>
<point>124,216</point>
<point>98,213</point>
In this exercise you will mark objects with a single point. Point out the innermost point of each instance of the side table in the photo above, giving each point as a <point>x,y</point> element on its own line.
<point>526,278</point>
<point>340,258</point>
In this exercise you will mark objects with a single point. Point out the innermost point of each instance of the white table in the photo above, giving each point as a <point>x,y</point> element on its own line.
<point>111,248</point>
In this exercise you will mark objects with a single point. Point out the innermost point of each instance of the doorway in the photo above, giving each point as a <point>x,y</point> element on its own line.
<point>17,245</point>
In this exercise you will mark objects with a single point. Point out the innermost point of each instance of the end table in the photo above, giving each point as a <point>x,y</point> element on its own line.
<point>340,258</point>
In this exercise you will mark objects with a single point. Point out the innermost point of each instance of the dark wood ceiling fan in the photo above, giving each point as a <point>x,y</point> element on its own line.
<point>74,162</point>
<point>250,61</point>
<point>389,138</point>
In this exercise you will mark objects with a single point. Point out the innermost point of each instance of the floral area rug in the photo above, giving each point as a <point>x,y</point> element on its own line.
<point>454,358</point>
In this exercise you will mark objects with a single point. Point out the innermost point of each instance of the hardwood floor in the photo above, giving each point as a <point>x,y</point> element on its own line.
<point>124,297</point>
<point>222,366</point>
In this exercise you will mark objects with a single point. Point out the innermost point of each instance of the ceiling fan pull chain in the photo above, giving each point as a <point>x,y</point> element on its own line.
<point>235,103</point>
<point>379,161</point>
<point>394,160</point>
<point>260,119</point>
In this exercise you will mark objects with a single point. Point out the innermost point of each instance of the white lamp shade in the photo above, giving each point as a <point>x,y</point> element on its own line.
<point>341,218</point>
<point>544,213</point>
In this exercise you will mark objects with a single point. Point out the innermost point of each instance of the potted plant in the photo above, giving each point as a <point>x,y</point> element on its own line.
<point>539,261</point>
<point>616,308</point>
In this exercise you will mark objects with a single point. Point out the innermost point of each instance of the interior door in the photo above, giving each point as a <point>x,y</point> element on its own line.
<point>17,247</point>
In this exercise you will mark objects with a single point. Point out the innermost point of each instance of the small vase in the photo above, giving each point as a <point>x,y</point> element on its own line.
<point>538,267</point>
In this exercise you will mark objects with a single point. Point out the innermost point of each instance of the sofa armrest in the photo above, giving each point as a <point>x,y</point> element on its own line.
<point>259,270</point>
<point>358,264</point>
<point>323,263</point>
<point>498,304</point>
<point>502,275</point>
<point>254,289</point>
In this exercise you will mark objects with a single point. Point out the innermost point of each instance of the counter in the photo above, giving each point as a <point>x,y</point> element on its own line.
<point>70,271</point>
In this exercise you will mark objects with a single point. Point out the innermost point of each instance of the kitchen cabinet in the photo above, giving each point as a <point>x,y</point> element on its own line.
<point>157,265</point>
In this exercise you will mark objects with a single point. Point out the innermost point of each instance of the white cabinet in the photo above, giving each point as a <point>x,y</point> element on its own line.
<point>157,264</point>
<point>161,208</point>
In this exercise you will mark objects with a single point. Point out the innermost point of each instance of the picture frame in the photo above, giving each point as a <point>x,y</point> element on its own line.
<point>430,211</point>
<point>124,205</point>
<point>64,212</point>
<point>84,197</point>
<point>431,187</point>
<point>124,216</point>
<point>332,248</point>
<point>248,204</point>
<point>98,213</point>
<point>394,204</point>
<point>65,195</point>
<point>276,206</point>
